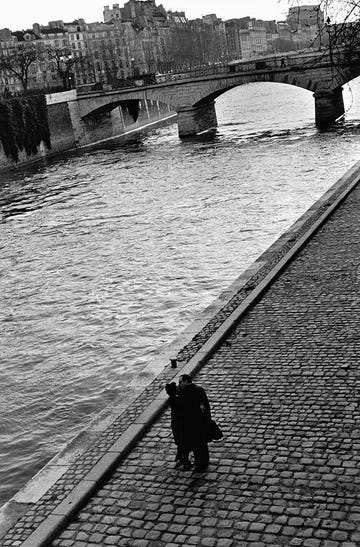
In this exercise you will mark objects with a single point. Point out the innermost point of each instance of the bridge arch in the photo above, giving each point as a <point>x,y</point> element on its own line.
<point>327,93</point>
<point>201,114</point>
<point>193,98</point>
<point>210,94</point>
<point>184,94</point>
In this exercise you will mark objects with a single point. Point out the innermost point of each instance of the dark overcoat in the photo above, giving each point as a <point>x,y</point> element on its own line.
<point>195,411</point>
<point>176,419</point>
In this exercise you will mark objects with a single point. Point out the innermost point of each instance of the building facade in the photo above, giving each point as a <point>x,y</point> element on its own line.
<point>141,38</point>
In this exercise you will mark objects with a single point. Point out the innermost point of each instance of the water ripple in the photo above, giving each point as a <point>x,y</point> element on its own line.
<point>107,254</point>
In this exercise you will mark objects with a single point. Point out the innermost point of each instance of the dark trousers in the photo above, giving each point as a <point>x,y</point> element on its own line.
<point>201,455</point>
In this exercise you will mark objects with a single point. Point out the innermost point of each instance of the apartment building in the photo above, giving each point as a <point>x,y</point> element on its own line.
<point>8,79</point>
<point>246,38</point>
<point>141,37</point>
<point>305,16</point>
<point>143,11</point>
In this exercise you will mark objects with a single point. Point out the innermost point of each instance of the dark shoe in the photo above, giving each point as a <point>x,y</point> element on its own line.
<point>187,466</point>
<point>200,469</point>
<point>178,464</point>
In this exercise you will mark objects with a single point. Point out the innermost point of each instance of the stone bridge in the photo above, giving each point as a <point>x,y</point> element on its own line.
<point>192,95</point>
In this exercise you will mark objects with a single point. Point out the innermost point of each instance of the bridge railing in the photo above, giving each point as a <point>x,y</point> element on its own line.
<point>270,62</point>
<point>194,72</point>
<point>298,61</point>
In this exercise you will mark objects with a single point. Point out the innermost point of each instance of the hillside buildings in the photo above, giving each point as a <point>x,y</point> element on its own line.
<point>142,38</point>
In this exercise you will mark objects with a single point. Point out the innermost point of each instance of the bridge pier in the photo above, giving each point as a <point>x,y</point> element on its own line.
<point>194,119</point>
<point>329,106</point>
<point>117,121</point>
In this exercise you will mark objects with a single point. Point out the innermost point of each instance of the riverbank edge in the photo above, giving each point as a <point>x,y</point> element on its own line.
<point>43,156</point>
<point>192,349</point>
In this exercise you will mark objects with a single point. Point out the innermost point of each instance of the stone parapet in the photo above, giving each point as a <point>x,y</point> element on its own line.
<point>61,97</point>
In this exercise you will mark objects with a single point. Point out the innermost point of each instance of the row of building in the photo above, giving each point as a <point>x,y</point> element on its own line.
<point>143,38</point>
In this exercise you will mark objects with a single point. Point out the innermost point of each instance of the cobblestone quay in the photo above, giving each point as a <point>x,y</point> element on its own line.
<point>284,385</point>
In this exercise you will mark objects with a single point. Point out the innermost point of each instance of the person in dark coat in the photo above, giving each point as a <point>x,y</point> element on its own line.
<point>196,415</point>
<point>177,424</point>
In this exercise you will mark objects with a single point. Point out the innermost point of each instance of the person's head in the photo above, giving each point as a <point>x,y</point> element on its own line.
<point>171,389</point>
<point>184,380</point>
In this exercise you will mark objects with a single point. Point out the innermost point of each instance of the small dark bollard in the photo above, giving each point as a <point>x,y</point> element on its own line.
<point>173,363</point>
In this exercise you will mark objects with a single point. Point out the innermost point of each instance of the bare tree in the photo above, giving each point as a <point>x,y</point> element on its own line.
<point>340,27</point>
<point>343,27</point>
<point>19,61</point>
<point>338,33</point>
<point>63,61</point>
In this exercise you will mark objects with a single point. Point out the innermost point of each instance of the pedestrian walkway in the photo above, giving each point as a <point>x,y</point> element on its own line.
<point>283,384</point>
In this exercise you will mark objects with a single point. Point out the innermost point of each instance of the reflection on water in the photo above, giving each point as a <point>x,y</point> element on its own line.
<point>108,253</point>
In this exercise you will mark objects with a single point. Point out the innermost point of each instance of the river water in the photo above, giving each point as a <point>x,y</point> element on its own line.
<point>106,255</point>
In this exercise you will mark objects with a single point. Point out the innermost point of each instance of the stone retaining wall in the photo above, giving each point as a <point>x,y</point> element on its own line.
<point>33,514</point>
<point>68,130</point>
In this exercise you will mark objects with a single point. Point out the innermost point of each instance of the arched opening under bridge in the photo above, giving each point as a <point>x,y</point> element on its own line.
<point>295,96</point>
<point>267,104</point>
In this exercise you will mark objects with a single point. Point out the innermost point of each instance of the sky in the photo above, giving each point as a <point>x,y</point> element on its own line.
<point>21,14</point>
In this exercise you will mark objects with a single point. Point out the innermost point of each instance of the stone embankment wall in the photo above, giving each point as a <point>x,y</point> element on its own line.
<point>69,131</point>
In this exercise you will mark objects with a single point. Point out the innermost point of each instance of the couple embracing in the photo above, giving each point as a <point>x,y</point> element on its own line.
<point>190,419</point>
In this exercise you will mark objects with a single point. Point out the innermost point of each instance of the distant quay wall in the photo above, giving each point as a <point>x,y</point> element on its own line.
<point>69,131</point>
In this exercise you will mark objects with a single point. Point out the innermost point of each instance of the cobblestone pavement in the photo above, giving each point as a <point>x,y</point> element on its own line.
<point>285,388</point>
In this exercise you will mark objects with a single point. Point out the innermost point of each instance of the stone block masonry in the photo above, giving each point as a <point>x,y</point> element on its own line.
<point>284,387</point>
<point>195,119</point>
<point>193,98</point>
<point>68,130</point>
<point>279,361</point>
<point>328,107</point>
